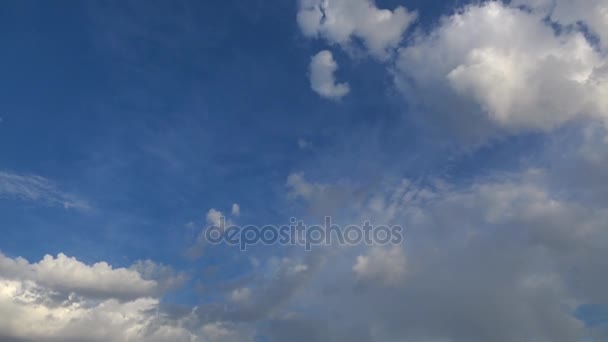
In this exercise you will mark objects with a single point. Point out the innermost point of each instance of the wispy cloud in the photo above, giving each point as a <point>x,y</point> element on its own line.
<point>33,188</point>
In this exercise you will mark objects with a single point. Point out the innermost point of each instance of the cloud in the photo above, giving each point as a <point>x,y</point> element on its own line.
<point>593,14</point>
<point>320,198</point>
<point>165,277</point>
<point>339,21</point>
<point>214,218</point>
<point>30,315</point>
<point>384,265</point>
<point>322,79</point>
<point>508,253</point>
<point>63,299</point>
<point>33,314</point>
<point>269,293</point>
<point>236,209</point>
<point>502,69</point>
<point>68,275</point>
<point>33,188</point>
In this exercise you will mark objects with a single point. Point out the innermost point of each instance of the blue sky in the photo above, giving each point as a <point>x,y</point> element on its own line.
<point>154,127</point>
<point>480,127</point>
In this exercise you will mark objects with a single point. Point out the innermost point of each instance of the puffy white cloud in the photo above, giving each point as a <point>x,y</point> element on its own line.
<point>339,21</point>
<point>322,79</point>
<point>67,274</point>
<point>30,314</point>
<point>33,313</point>
<point>503,68</point>
<point>63,299</point>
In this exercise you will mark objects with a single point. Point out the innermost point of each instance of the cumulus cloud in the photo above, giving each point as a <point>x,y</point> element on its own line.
<point>502,68</point>
<point>37,189</point>
<point>63,299</point>
<point>67,274</point>
<point>340,21</point>
<point>32,314</point>
<point>322,79</point>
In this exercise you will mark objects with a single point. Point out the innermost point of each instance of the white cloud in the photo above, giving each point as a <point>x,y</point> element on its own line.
<point>69,275</point>
<point>500,67</point>
<point>32,313</point>
<point>63,299</point>
<point>322,79</point>
<point>37,189</point>
<point>339,21</point>
<point>166,277</point>
<point>236,209</point>
<point>214,218</point>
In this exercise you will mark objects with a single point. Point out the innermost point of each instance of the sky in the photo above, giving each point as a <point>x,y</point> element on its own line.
<point>128,127</point>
